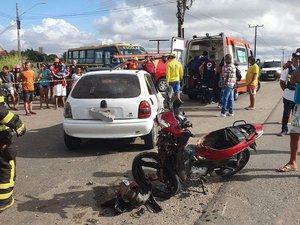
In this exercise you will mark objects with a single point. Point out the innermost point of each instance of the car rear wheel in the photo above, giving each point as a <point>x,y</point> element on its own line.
<point>72,143</point>
<point>150,139</point>
<point>162,85</point>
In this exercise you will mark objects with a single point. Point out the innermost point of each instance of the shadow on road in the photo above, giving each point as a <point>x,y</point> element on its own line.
<point>49,143</point>
<point>64,204</point>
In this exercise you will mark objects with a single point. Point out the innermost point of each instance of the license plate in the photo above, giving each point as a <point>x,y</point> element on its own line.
<point>107,115</point>
<point>271,75</point>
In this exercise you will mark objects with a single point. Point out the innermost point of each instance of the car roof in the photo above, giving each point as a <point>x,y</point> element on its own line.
<point>121,72</point>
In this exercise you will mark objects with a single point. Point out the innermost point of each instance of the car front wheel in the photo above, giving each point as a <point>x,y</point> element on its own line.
<point>72,143</point>
<point>162,85</point>
<point>150,139</point>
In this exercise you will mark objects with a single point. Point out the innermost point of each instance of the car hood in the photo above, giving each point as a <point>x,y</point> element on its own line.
<point>271,69</point>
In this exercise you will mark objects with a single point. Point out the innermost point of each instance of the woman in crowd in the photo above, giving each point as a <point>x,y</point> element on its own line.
<point>44,76</point>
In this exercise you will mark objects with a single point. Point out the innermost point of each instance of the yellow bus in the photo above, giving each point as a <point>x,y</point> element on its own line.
<point>102,55</point>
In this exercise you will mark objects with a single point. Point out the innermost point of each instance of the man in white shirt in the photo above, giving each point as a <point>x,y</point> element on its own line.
<point>288,94</point>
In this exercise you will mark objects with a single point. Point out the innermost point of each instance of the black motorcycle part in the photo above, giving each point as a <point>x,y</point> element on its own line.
<point>165,186</point>
<point>232,167</point>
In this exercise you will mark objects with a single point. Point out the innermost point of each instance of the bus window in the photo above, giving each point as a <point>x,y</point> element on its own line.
<point>241,55</point>
<point>107,58</point>
<point>70,58</point>
<point>75,55</point>
<point>98,56</point>
<point>82,56</point>
<point>90,56</point>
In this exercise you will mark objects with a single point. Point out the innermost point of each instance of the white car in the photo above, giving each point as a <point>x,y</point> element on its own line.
<point>111,105</point>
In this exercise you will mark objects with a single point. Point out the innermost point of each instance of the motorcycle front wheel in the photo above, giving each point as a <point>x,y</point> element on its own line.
<point>236,164</point>
<point>146,173</point>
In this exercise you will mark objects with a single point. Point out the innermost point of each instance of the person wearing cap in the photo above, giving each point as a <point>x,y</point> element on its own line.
<point>288,94</point>
<point>134,64</point>
<point>174,75</point>
<point>295,125</point>
<point>149,66</point>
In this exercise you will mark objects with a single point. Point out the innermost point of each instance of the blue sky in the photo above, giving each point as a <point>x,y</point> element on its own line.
<point>55,9</point>
<point>62,24</point>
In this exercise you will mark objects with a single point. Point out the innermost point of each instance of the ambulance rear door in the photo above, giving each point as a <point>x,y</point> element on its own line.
<point>178,47</point>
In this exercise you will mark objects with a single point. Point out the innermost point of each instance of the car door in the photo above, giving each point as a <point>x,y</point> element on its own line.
<point>155,97</point>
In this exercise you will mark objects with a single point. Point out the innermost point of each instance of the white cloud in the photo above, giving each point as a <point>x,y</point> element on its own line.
<point>137,24</point>
<point>55,35</point>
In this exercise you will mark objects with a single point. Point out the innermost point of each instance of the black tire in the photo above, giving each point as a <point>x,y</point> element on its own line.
<point>192,96</point>
<point>10,102</point>
<point>162,84</point>
<point>72,143</point>
<point>236,95</point>
<point>244,158</point>
<point>150,139</point>
<point>165,187</point>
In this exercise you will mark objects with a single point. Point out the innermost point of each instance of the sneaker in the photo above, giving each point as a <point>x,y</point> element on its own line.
<point>282,134</point>
<point>250,108</point>
<point>230,114</point>
<point>219,106</point>
<point>7,206</point>
<point>222,115</point>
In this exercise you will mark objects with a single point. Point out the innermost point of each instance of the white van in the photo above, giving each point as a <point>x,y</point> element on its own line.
<point>271,69</point>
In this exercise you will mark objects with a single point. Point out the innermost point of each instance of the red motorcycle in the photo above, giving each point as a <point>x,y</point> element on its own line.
<point>224,151</point>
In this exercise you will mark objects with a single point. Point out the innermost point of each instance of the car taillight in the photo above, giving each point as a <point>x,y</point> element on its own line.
<point>144,110</point>
<point>68,110</point>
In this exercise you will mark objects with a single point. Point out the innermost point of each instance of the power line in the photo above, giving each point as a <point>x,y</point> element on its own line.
<point>95,12</point>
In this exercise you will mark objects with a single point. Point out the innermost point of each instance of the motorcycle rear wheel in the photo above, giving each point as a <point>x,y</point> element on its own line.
<point>146,164</point>
<point>243,160</point>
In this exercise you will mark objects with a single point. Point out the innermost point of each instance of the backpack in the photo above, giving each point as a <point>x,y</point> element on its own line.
<point>238,75</point>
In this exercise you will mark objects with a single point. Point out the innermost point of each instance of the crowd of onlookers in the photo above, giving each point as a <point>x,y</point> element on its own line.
<point>52,82</point>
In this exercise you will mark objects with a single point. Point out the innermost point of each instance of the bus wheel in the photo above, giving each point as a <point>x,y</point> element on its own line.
<point>236,95</point>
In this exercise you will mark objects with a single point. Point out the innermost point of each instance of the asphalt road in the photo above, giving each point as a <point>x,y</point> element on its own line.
<point>58,186</point>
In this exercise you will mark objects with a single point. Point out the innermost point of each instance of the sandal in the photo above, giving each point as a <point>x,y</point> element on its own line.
<point>287,168</point>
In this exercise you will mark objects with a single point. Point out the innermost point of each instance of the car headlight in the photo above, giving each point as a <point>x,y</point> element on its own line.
<point>278,71</point>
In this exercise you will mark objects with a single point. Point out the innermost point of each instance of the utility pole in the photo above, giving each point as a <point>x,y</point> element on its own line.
<point>182,6</point>
<point>255,37</point>
<point>283,55</point>
<point>19,25</point>
<point>158,43</point>
<point>18,31</point>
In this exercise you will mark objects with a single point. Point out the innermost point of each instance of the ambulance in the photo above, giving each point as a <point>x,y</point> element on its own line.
<point>218,45</point>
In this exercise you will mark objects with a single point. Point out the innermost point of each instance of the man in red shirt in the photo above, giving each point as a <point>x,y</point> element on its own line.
<point>149,66</point>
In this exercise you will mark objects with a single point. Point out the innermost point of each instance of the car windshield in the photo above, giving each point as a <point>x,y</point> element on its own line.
<point>132,50</point>
<point>272,64</point>
<point>107,86</point>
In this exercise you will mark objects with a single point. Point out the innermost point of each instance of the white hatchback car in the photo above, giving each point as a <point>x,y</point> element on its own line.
<point>111,105</point>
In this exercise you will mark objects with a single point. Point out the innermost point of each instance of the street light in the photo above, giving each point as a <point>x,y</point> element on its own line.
<point>19,24</point>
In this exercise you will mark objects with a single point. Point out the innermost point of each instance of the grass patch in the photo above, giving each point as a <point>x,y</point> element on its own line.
<point>9,60</point>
